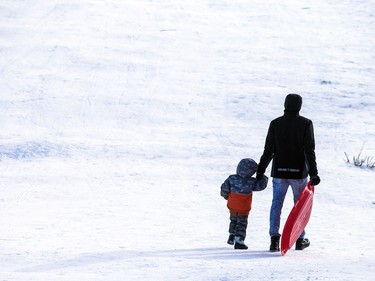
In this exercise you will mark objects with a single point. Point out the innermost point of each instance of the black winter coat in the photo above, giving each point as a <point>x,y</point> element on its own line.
<point>290,143</point>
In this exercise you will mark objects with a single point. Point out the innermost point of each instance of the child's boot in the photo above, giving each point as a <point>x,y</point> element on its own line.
<point>231,239</point>
<point>239,243</point>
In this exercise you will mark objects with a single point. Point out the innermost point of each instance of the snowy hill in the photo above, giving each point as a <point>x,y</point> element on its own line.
<point>121,119</point>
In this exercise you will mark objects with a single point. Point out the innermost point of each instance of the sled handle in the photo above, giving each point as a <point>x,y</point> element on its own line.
<point>310,186</point>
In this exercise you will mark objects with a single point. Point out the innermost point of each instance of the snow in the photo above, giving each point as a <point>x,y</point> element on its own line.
<point>121,119</point>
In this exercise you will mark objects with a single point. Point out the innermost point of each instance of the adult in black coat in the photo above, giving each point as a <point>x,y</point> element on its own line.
<point>290,144</point>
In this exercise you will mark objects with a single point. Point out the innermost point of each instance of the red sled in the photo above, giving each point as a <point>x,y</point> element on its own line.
<point>298,218</point>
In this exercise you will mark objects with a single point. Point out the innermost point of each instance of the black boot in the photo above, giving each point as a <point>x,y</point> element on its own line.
<point>239,246</point>
<point>239,243</point>
<point>231,239</point>
<point>275,244</point>
<point>302,243</point>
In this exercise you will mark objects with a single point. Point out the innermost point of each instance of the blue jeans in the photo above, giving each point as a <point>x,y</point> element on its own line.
<point>280,188</point>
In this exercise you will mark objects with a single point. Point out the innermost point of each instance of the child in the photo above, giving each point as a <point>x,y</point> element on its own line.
<point>237,189</point>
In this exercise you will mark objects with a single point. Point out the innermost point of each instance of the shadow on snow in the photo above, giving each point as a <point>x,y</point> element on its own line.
<point>200,253</point>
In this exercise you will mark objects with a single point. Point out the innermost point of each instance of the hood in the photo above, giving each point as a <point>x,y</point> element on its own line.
<point>247,168</point>
<point>293,102</point>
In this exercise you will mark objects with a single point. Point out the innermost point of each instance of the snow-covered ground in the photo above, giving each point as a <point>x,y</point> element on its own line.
<point>121,119</point>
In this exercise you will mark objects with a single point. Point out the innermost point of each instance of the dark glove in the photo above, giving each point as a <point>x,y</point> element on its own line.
<point>259,176</point>
<point>315,180</point>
